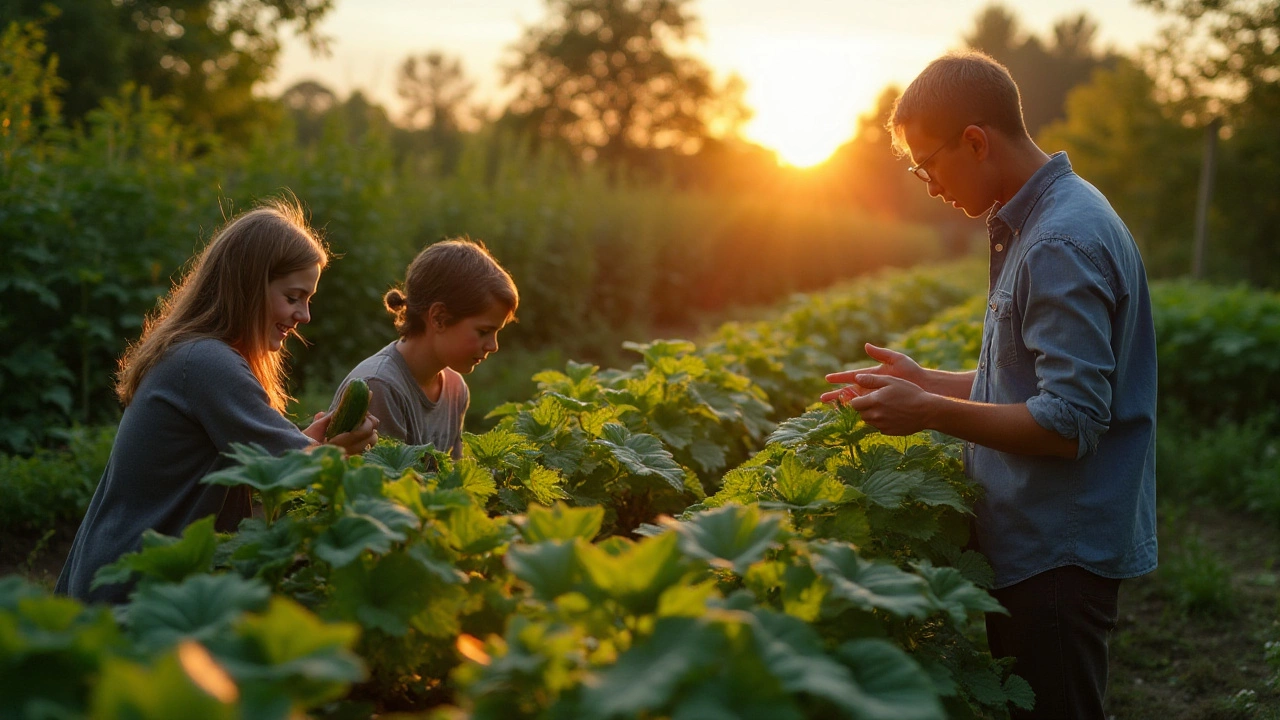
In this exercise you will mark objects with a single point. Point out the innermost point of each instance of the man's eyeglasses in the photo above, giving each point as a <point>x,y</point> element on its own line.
<point>920,171</point>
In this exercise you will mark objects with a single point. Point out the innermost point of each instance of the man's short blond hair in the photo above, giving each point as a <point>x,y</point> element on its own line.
<point>956,90</point>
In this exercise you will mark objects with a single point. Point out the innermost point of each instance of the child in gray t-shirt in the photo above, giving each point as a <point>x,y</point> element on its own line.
<point>456,298</point>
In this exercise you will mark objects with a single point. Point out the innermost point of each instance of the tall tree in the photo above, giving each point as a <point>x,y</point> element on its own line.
<point>608,78</point>
<point>1045,69</point>
<point>209,54</point>
<point>435,90</point>
<point>1134,148</point>
<point>308,102</point>
<point>1222,58</point>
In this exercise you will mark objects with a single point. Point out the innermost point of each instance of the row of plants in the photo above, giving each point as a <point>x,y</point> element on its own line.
<point>590,539</point>
<point>829,571</point>
<point>830,565</point>
<point>98,219</point>
<point>710,408</point>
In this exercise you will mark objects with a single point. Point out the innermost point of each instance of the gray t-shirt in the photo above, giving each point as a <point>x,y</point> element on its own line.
<point>188,409</point>
<point>403,410</point>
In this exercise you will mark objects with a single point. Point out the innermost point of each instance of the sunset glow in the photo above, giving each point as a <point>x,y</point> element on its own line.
<point>806,92</point>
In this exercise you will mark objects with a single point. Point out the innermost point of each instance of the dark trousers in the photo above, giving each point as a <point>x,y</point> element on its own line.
<point>1058,628</point>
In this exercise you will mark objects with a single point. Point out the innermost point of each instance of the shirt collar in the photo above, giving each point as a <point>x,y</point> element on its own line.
<point>1014,213</point>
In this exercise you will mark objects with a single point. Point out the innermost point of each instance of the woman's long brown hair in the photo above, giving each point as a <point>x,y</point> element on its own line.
<point>224,296</point>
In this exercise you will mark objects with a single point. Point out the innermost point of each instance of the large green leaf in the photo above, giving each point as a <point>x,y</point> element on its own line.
<point>888,488</point>
<point>825,426</point>
<point>642,454</point>
<point>543,483</point>
<point>561,522</point>
<point>869,585</point>
<point>956,596</point>
<point>804,487</point>
<point>1019,692</point>
<point>709,455</point>
<point>163,691</point>
<point>672,424</point>
<point>876,681</point>
<point>293,470</point>
<point>200,608</point>
<point>436,561</point>
<point>466,474</point>
<point>813,424</point>
<point>472,531</point>
<point>933,491</point>
<point>395,457</point>
<point>549,567</point>
<point>847,523</point>
<point>363,482</point>
<point>396,517</point>
<point>974,567</point>
<point>163,558</point>
<point>647,677</point>
<point>258,549</point>
<point>894,686</point>
<point>566,452</point>
<point>543,421</point>
<point>499,447</point>
<point>656,350</point>
<point>287,656</point>
<point>346,539</point>
<point>742,485</point>
<point>385,596</point>
<point>636,573</point>
<point>275,478</point>
<point>732,537</point>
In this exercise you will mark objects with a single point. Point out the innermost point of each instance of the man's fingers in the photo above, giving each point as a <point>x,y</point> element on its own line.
<point>870,381</point>
<point>879,354</point>
<point>840,395</point>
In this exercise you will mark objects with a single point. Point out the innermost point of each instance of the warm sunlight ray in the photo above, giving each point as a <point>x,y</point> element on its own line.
<point>807,93</point>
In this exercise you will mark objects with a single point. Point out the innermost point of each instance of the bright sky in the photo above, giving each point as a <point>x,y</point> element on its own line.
<point>811,66</point>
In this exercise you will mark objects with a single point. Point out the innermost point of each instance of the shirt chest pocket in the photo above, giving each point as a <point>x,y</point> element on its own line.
<point>1004,335</point>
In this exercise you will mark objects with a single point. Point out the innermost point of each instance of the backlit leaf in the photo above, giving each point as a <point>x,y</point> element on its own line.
<point>733,536</point>
<point>165,558</point>
<point>561,522</point>
<point>869,585</point>
<point>200,607</point>
<point>642,454</point>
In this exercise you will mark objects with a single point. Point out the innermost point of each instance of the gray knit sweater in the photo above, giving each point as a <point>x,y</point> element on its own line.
<point>197,400</point>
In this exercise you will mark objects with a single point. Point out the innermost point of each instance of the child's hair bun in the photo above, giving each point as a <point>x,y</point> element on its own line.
<point>395,301</point>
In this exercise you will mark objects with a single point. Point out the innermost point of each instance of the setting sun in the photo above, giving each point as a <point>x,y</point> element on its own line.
<point>807,93</point>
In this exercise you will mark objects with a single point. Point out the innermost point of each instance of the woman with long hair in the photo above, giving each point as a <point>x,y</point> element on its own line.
<point>208,371</point>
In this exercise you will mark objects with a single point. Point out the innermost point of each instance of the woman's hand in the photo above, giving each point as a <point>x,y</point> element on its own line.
<point>353,442</point>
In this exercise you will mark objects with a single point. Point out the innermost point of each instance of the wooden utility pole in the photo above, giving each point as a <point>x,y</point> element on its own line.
<point>1205,195</point>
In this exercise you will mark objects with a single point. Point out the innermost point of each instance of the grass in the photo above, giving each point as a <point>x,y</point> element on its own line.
<point>1192,638</point>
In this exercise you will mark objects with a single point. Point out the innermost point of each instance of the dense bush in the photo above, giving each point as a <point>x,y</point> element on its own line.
<point>53,486</point>
<point>1219,349</point>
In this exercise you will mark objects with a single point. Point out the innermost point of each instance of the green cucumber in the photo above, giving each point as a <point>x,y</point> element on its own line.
<point>351,409</point>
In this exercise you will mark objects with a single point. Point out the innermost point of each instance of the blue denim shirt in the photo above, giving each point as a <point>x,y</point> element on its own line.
<point>1068,331</point>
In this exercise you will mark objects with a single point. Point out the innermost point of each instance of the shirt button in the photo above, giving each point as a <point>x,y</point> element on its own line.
<point>999,247</point>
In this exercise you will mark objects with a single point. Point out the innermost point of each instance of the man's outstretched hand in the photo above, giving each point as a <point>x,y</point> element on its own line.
<point>888,396</point>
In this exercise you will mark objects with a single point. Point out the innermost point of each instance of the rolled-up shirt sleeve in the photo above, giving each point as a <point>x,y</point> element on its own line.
<point>1067,305</point>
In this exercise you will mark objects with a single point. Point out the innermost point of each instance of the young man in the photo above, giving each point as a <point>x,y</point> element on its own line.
<point>1059,417</point>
